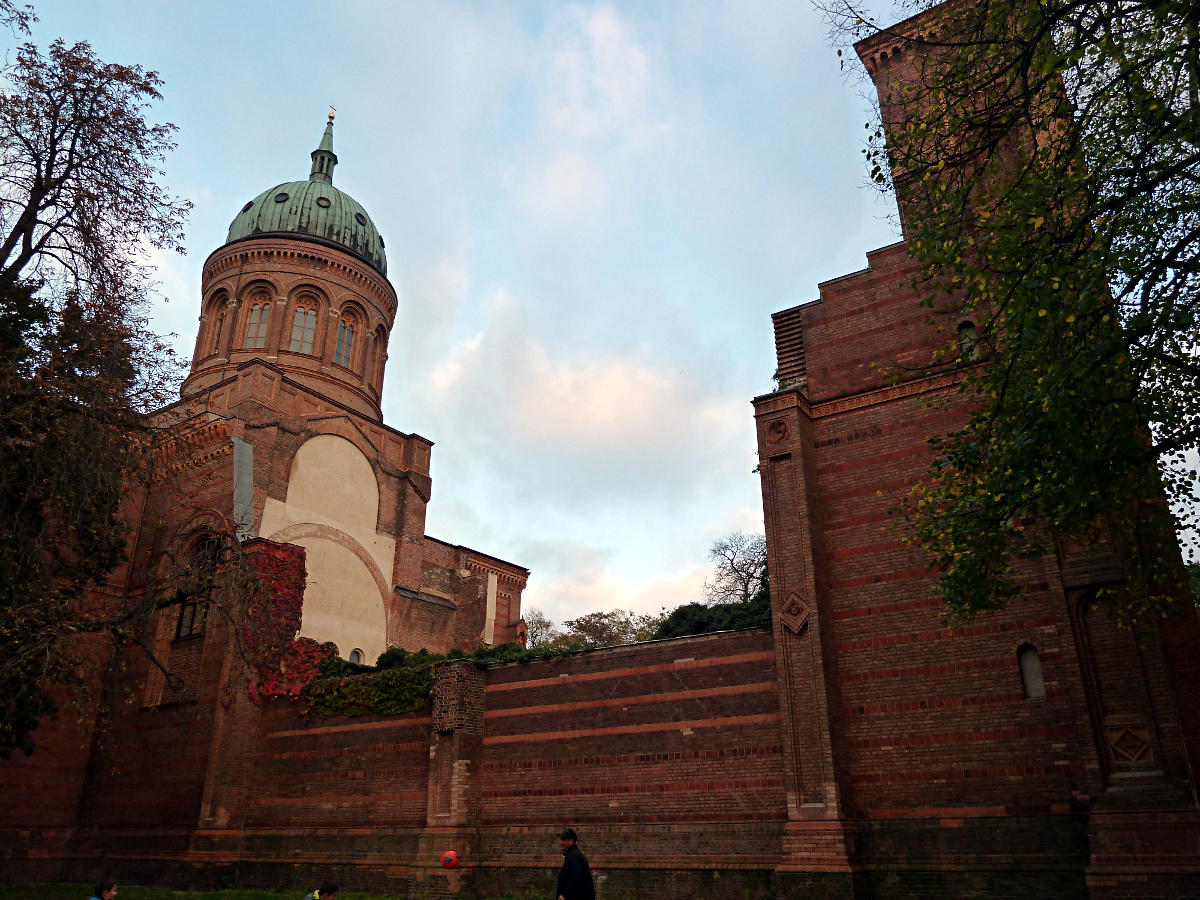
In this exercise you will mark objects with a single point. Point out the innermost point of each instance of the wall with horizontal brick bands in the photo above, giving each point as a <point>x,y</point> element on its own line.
<point>665,757</point>
<point>336,773</point>
<point>946,778</point>
<point>692,725</point>
<point>867,322</point>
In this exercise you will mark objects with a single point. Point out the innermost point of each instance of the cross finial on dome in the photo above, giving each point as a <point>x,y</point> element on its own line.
<point>323,158</point>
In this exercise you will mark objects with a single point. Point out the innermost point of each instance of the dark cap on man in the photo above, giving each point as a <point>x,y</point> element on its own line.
<point>568,834</point>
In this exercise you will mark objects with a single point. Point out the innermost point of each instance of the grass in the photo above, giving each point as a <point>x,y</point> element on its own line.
<point>65,891</point>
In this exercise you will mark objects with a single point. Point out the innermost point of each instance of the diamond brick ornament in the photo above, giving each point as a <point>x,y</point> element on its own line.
<point>795,612</point>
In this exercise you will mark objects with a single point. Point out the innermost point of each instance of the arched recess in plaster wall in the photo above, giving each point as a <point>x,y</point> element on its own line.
<point>345,593</point>
<point>331,477</point>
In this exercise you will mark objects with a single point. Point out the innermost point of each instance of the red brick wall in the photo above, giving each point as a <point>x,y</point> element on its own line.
<point>509,754</point>
<point>665,757</point>
<point>939,758</point>
<point>43,791</point>
<point>693,727</point>
<point>367,772</point>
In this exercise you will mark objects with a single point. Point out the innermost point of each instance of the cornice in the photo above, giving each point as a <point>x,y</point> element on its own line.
<point>268,250</point>
<point>772,404</point>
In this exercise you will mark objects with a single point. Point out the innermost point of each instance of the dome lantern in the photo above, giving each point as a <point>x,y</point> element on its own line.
<point>323,158</point>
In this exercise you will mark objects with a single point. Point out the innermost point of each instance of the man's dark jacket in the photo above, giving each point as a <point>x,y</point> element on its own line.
<point>575,877</point>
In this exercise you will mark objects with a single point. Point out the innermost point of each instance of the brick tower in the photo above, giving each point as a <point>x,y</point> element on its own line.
<point>1041,749</point>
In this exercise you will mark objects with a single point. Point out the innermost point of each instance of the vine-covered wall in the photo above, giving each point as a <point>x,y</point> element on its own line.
<point>503,757</point>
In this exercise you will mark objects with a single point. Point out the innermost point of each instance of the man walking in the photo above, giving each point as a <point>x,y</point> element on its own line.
<point>575,876</point>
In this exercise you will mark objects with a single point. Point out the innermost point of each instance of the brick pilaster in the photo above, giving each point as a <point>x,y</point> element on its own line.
<point>814,839</point>
<point>455,757</point>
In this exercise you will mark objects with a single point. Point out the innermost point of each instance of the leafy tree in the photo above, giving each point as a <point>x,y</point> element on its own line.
<point>79,199</point>
<point>596,629</point>
<point>398,658</point>
<point>739,568</point>
<point>541,629</point>
<point>604,629</point>
<point>1045,155</point>
<point>700,618</point>
<point>737,596</point>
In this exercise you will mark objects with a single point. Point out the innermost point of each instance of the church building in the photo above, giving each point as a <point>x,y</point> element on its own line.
<point>285,384</point>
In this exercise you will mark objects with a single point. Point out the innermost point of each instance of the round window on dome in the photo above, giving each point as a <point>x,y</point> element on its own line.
<point>249,203</point>
<point>323,202</point>
<point>281,197</point>
<point>360,218</point>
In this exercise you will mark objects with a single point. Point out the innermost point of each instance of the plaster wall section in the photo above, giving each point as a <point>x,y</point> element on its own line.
<point>504,583</point>
<point>332,510</point>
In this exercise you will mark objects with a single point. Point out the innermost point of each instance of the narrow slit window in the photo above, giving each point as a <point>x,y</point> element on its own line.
<point>968,341</point>
<point>197,588</point>
<point>193,614</point>
<point>1030,665</point>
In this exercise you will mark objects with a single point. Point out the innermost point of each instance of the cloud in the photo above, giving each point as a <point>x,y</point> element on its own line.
<point>602,106</point>
<point>570,596</point>
<point>432,295</point>
<point>601,425</point>
<point>568,189</point>
<point>599,80</point>
<point>176,305</point>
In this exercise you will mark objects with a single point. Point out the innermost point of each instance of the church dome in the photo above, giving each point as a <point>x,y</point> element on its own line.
<point>313,210</point>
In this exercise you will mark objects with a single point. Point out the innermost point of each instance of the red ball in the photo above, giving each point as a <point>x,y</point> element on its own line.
<point>449,859</point>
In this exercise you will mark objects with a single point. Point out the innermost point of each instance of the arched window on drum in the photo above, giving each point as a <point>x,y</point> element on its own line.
<point>304,326</point>
<point>344,350</point>
<point>379,358</point>
<point>257,321</point>
<point>218,313</point>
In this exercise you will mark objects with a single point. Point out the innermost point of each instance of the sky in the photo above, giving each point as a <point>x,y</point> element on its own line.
<point>591,211</point>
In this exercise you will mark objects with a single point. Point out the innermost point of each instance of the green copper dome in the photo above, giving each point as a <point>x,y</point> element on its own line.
<point>314,209</point>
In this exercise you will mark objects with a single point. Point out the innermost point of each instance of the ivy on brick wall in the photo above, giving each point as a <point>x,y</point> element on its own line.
<point>280,663</point>
<point>402,682</point>
<point>299,664</point>
<point>387,692</point>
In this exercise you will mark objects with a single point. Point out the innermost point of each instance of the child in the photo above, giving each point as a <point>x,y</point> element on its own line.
<point>105,890</point>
